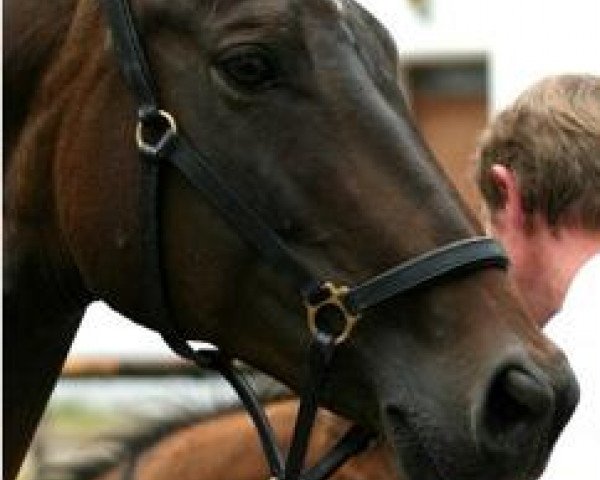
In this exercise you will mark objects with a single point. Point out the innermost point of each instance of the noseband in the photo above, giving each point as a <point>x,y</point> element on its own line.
<point>158,141</point>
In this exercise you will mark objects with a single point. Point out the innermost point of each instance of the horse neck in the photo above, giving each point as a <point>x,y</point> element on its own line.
<point>37,264</point>
<point>36,254</point>
<point>44,295</point>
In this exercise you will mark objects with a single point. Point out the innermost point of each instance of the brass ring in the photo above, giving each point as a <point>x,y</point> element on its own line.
<point>154,149</point>
<point>336,299</point>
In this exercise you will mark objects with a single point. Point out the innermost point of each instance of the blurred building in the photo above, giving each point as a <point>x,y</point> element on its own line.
<point>465,59</point>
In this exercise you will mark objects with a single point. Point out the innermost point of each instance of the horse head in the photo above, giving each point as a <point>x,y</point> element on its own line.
<point>297,106</point>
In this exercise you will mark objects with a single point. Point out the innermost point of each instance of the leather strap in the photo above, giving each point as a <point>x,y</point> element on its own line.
<point>320,354</point>
<point>130,52</point>
<point>454,258</point>
<point>244,220</point>
<point>257,414</point>
<point>355,440</point>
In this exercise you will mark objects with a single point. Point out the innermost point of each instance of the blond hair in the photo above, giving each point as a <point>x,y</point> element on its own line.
<point>550,139</point>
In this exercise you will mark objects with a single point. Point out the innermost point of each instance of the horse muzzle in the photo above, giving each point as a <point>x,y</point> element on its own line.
<point>507,432</point>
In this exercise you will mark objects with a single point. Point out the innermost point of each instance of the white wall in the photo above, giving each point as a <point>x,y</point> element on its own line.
<point>106,333</point>
<point>534,38</point>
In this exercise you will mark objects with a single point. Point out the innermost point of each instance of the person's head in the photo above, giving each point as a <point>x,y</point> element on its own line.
<point>538,170</point>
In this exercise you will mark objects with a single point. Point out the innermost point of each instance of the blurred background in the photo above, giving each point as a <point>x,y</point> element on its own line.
<point>462,60</point>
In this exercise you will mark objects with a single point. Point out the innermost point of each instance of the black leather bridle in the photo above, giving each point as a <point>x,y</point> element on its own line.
<point>158,141</point>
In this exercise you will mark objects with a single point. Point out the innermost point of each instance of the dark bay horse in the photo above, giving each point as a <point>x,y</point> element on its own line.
<point>298,107</point>
<point>226,447</point>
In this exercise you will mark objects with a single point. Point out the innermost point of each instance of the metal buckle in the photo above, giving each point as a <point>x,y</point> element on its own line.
<point>165,136</point>
<point>330,296</point>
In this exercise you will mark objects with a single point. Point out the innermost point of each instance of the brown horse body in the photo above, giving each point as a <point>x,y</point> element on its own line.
<point>226,447</point>
<point>297,105</point>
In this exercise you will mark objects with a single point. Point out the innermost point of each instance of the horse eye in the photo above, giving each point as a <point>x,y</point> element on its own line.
<point>249,67</point>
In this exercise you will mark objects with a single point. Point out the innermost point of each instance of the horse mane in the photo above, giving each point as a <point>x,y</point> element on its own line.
<point>33,31</point>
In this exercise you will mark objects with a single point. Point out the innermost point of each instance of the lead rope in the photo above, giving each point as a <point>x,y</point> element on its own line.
<point>215,360</point>
<point>321,352</point>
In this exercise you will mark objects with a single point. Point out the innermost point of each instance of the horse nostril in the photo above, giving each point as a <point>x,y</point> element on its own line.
<point>528,394</point>
<point>518,409</point>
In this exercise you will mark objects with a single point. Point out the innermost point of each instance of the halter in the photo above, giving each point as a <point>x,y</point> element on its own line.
<point>158,140</point>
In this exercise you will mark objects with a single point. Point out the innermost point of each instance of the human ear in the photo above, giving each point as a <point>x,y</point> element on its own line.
<point>510,212</point>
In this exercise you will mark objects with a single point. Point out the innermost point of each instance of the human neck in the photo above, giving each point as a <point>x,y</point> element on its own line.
<point>561,254</point>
